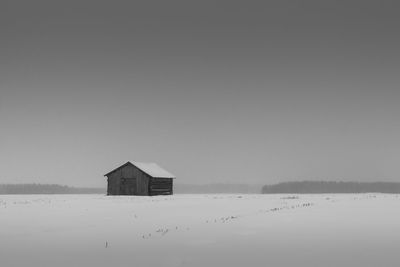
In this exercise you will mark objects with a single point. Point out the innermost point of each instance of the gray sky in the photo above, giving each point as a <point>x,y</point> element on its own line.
<point>213,91</point>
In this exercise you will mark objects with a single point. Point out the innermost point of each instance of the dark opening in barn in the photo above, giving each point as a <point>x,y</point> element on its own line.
<point>139,178</point>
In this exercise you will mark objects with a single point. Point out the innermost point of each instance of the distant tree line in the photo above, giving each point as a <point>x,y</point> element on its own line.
<point>220,188</point>
<point>320,187</point>
<point>46,189</point>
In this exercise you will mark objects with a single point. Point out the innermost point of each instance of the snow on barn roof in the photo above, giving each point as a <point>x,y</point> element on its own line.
<point>150,168</point>
<point>153,169</point>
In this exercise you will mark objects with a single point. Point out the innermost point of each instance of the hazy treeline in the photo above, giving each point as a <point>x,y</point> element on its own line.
<point>46,189</point>
<point>178,189</point>
<point>320,187</point>
<point>217,188</point>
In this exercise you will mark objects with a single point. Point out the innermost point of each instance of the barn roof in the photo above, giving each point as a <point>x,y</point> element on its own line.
<point>150,168</point>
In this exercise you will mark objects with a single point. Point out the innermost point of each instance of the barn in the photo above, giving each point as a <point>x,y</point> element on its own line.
<point>139,178</point>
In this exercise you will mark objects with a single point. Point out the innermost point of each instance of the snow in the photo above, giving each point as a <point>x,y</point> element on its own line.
<point>200,230</point>
<point>153,169</point>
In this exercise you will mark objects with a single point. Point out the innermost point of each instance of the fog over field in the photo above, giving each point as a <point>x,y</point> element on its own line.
<point>254,92</point>
<point>200,230</point>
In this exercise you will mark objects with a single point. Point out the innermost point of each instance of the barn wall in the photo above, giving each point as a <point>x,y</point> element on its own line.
<point>112,186</point>
<point>128,186</point>
<point>142,179</point>
<point>161,186</point>
<point>114,181</point>
<point>122,181</point>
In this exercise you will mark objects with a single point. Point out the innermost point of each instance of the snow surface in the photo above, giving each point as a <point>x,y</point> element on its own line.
<point>200,230</point>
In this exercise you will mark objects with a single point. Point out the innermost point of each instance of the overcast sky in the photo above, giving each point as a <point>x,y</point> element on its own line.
<point>213,91</point>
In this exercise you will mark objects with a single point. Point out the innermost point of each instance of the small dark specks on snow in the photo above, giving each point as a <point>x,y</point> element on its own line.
<point>290,197</point>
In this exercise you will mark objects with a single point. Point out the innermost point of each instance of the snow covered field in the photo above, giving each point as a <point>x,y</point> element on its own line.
<point>200,230</point>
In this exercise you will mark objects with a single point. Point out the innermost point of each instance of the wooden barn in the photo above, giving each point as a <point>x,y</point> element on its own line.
<point>139,178</point>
